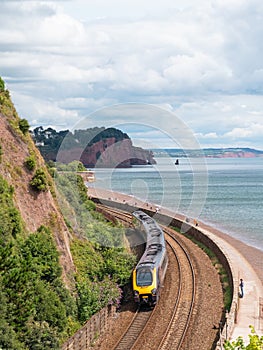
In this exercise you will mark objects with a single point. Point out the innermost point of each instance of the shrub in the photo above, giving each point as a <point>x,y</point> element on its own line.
<point>8,337</point>
<point>93,296</point>
<point>30,162</point>
<point>255,342</point>
<point>39,180</point>
<point>2,85</point>
<point>11,224</point>
<point>35,306</point>
<point>40,336</point>
<point>24,126</point>
<point>81,167</point>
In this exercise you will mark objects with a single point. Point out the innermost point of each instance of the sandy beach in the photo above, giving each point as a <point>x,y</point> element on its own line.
<point>253,255</point>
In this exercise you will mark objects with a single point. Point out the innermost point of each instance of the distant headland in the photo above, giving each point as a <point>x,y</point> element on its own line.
<point>94,147</point>
<point>209,153</point>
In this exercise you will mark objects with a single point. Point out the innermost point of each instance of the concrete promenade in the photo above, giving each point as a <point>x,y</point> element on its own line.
<point>250,307</point>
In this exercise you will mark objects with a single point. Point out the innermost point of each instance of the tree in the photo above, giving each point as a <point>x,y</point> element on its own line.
<point>40,336</point>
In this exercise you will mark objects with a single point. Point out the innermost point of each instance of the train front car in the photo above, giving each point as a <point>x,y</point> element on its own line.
<point>148,276</point>
<point>145,284</point>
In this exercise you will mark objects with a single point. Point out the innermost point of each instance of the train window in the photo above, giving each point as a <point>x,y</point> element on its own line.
<point>144,277</point>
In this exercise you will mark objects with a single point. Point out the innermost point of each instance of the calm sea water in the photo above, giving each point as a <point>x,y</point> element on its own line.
<point>226,193</point>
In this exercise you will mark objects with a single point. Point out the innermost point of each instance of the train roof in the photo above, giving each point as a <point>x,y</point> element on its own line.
<point>155,245</point>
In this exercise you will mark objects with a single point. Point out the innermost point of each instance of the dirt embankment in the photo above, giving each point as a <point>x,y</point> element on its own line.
<point>36,208</point>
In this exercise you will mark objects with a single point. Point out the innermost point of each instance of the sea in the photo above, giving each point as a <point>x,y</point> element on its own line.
<point>226,193</point>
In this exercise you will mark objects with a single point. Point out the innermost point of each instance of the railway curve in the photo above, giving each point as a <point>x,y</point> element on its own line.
<point>173,322</point>
<point>183,309</point>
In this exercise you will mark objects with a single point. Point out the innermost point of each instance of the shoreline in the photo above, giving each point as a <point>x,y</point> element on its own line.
<point>231,233</point>
<point>253,255</point>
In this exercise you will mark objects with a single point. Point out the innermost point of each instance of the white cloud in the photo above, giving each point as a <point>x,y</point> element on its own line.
<point>252,130</point>
<point>210,135</point>
<point>201,59</point>
<point>44,113</point>
<point>60,29</point>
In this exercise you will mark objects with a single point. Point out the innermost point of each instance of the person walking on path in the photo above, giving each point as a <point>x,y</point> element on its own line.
<point>195,222</point>
<point>241,285</point>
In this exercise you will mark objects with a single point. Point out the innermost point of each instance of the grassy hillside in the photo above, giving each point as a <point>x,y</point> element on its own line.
<point>60,262</point>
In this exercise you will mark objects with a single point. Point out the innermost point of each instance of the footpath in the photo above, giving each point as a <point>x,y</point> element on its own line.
<point>250,306</point>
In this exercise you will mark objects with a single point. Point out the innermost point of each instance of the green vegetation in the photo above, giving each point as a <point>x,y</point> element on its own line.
<point>24,126</point>
<point>255,342</point>
<point>2,85</point>
<point>39,180</point>
<point>36,309</point>
<point>34,304</point>
<point>30,162</point>
<point>7,108</point>
<point>6,105</point>
<point>97,283</point>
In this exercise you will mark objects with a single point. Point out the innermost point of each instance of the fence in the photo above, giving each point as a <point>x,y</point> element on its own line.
<point>97,325</point>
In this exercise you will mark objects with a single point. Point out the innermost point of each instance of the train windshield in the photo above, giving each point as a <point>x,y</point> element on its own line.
<point>144,277</point>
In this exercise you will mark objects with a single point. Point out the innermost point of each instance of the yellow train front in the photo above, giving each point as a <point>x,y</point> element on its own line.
<point>145,285</point>
<point>148,276</point>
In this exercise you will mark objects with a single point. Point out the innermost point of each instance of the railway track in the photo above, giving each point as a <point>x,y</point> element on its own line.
<point>116,214</point>
<point>135,328</point>
<point>183,302</point>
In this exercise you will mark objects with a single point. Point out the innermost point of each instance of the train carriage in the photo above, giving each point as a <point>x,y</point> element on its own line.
<point>148,275</point>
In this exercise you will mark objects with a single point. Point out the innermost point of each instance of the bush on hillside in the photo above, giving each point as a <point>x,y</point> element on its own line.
<point>97,284</point>
<point>30,162</point>
<point>24,126</point>
<point>2,85</point>
<point>34,304</point>
<point>40,336</point>
<point>39,180</point>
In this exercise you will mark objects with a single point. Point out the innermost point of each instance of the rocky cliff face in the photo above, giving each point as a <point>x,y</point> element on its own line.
<point>36,208</point>
<point>108,153</point>
<point>239,154</point>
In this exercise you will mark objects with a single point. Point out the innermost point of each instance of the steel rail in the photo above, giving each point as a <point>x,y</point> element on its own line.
<point>180,320</point>
<point>123,216</point>
<point>133,331</point>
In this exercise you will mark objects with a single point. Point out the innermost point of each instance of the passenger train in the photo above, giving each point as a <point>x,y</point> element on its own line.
<point>148,275</point>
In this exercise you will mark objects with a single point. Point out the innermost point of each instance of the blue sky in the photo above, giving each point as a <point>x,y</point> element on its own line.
<point>147,66</point>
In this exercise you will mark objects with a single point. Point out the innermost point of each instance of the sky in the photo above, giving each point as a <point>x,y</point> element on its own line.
<point>165,71</point>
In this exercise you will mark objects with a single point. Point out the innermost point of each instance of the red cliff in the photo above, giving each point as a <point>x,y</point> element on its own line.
<point>108,153</point>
